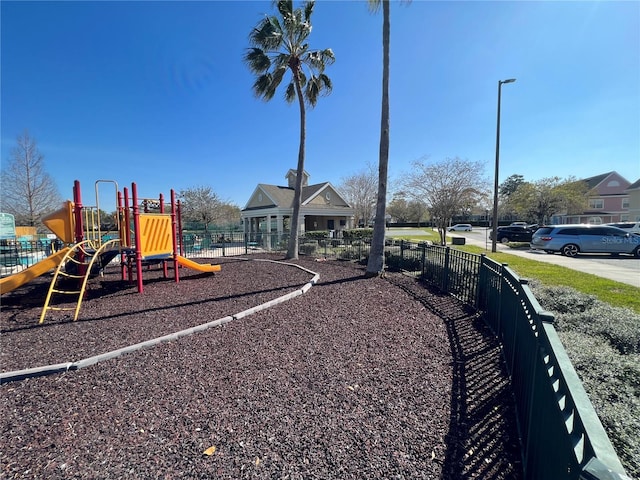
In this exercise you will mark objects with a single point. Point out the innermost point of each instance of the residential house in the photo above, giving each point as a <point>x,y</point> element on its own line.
<point>270,208</point>
<point>633,214</point>
<point>608,201</point>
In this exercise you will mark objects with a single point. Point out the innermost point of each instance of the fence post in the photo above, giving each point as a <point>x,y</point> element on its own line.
<point>445,280</point>
<point>423,254</point>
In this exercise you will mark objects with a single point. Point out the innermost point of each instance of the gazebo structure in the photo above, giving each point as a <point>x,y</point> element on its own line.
<point>270,208</point>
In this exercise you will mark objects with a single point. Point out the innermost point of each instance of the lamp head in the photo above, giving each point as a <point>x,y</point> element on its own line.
<point>509,80</point>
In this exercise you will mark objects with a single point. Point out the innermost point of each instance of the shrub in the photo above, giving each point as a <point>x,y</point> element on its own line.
<point>612,381</point>
<point>583,313</point>
<point>357,233</point>
<point>603,343</point>
<point>317,234</point>
<point>397,262</point>
<point>308,248</point>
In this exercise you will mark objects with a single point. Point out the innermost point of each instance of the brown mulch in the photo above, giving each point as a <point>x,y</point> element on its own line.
<point>357,378</point>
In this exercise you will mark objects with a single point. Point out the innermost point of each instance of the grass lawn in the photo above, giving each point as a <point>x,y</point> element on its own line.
<point>614,293</point>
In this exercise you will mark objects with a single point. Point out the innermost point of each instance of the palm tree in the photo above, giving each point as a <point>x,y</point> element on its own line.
<point>279,45</point>
<point>375,265</point>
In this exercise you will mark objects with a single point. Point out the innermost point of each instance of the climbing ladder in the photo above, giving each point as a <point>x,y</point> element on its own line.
<point>81,260</point>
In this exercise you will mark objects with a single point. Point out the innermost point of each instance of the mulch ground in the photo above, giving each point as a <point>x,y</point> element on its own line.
<point>357,378</point>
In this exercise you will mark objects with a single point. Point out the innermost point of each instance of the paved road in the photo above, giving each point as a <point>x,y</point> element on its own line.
<point>624,269</point>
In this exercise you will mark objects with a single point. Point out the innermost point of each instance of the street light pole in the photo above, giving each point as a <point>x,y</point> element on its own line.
<point>494,228</point>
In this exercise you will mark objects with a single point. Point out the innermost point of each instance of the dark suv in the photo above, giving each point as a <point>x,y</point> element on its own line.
<point>513,233</point>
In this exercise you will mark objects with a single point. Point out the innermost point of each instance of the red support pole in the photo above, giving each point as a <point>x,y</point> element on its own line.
<point>165,269</point>
<point>179,213</point>
<point>127,231</point>
<point>77,211</point>
<point>136,230</point>
<point>173,235</point>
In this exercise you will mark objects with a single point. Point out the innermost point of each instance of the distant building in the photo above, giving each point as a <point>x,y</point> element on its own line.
<point>633,191</point>
<point>608,201</point>
<point>270,208</point>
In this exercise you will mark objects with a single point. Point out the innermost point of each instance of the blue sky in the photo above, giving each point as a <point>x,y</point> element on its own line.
<point>156,92</point>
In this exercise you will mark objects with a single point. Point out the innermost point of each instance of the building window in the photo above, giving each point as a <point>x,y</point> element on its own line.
<point>625,203</point>
<point>613,183</point>
<point>597,203</point>
<point>595,221</point>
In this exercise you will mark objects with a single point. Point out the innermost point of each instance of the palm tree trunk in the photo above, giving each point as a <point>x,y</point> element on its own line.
<point>292,249</point>
<point>375,265</point>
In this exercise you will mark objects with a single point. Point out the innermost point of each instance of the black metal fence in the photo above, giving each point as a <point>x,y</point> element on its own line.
<point>561,435</point>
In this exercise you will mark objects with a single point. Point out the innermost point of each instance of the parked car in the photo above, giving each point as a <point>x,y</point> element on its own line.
<point>518,224</point>
<point>628,226</point>
<point>460,227</point>
<point>570,240</point>
<point>513,233</point>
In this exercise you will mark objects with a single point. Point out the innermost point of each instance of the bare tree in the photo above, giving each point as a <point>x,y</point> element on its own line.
<point>448,188</point>
<point>28,191</point>
<point>201,204</point>
<point>360,190</point>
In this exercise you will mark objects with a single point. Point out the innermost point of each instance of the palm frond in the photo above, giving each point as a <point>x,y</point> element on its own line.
<point>267,35</point>
<point>257,60</point>
<point>318,85</point>
<point>290,93</point>
<point>263,87</point>
<point>277,76</point>
<point>308,10</point>
<point>327,84</point>
<point>278,60</point>
<point>319,59</point>
<point>285,7</point>
<point>374,5</point>
<point>303,78</point>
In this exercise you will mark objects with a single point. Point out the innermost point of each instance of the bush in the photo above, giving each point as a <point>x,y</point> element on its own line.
<point>613,384</point>
<point>580,312</point>
<point>603,343</point>
<point>396,262</point>
<point>317,234</point>
<point>357,234</point>
<point>308,248</point>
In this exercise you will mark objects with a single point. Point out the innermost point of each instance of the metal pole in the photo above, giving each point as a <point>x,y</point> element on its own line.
<point>494,228</point>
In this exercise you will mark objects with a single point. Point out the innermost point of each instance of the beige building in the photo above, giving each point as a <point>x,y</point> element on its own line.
<point>270,208</point>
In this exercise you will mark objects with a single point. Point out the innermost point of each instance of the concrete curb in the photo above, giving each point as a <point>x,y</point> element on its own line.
<point>16,375</point>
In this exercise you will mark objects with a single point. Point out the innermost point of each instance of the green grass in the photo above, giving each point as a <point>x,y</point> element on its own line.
<point>614,293</point>
<point>609,291</point>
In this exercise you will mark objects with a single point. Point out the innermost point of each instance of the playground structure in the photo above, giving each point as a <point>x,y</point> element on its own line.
<point>146,235</point>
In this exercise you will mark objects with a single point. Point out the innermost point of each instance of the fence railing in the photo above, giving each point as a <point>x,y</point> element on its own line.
<point>561,435</point>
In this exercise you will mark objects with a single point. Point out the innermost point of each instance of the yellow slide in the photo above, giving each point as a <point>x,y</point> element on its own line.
<point>12,282</point>
<point>201,267</point>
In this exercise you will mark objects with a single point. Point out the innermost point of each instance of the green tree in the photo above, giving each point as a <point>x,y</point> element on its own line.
<point>543,198</point>
<point>506,191</point>
<point>510,185</point>
<point>278,45</point>
<point>375,264</point>
<point>28,191</point>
